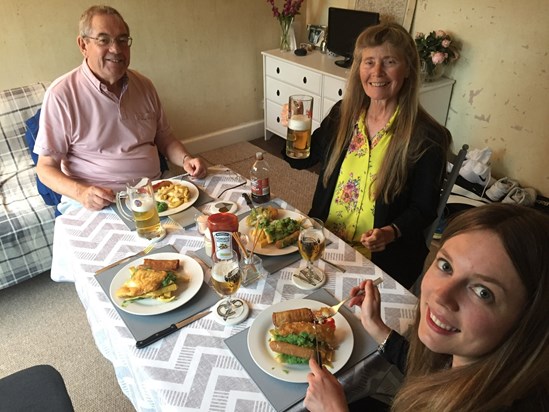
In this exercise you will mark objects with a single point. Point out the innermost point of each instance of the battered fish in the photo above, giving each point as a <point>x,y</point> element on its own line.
<point>142,281</point>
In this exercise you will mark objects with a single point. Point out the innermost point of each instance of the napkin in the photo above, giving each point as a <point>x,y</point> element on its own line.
<point>142,327</point>
<point>283,395</point>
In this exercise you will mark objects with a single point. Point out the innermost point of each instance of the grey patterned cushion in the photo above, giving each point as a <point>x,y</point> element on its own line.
<point>26,222</point>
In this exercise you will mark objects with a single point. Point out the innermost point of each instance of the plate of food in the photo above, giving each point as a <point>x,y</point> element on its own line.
<point>174,196</point>
<point>159,284</point>
<point>285,330</point>
<point>277,229</point>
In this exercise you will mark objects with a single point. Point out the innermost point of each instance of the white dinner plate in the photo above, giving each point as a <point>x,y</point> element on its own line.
<point>194,196</point>
<point>189,269</point>
<point>270,250</point>
<point>265,358</point>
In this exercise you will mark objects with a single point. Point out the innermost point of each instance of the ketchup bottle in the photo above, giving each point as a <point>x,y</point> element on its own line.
<point>222,226</point>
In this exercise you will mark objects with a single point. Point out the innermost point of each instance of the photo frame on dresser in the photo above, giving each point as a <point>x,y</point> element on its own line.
<point>316,34</point>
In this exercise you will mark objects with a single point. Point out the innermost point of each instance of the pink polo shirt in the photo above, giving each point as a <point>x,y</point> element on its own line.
<point>99,138</point>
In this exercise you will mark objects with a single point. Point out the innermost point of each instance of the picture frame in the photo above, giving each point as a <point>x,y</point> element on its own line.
<point>400,11</point>
<point>316,34</point>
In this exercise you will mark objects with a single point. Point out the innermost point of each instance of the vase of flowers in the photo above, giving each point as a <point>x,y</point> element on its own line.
<point>286,21</point>
<point>436,51</point>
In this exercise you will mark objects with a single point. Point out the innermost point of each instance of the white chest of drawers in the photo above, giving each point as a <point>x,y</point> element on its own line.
<point>316,74</point>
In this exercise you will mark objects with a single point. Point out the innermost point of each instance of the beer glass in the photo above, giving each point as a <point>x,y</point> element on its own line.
<point>311,243</point>
<point>226,277</point>
<point>139,199</point>
<point>300,116</point>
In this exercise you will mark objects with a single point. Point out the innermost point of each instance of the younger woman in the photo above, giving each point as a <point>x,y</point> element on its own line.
<point>480,340</point>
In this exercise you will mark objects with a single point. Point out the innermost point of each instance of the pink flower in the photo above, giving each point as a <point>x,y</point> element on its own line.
<point>419,35</point>
<point>446,43</point>
<point>439,57</point>
<point>440,33</point>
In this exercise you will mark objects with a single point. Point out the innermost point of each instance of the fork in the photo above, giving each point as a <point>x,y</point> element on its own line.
<point>124,260</point>
<point>332,310</point>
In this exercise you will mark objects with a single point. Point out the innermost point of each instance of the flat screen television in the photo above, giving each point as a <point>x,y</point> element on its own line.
<point>344,26</point>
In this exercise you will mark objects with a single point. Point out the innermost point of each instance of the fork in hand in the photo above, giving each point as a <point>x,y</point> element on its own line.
<point>329,312</point>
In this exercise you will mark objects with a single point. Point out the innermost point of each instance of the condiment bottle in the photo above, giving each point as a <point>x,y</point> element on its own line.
<point>222,226</point>
<point>259,176</point>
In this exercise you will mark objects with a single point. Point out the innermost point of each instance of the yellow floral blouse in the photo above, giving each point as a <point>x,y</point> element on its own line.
<point>352,197</point>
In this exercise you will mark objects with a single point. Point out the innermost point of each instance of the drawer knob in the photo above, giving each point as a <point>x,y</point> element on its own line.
<point>278,70</point>
<point>340,92</point>
<point>278,92</point>
<point>277,119</point>
<point>305,80</point>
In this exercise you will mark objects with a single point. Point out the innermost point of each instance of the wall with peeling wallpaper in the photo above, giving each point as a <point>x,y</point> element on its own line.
<point>500,98</point>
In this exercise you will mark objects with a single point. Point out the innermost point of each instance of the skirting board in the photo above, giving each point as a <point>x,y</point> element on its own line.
<point>225,137</point>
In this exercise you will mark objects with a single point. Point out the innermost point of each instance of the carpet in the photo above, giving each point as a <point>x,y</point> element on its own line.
<point>295,186</point>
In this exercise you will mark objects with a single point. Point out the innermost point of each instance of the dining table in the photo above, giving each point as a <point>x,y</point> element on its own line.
<point>202,366</point>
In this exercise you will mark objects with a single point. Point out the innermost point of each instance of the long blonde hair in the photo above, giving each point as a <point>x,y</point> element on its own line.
<point>408,143</point>
<point>519,367</point>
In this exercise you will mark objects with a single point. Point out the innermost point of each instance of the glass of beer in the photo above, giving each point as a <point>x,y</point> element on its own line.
<point>139,199</point>
<point>311,243</point>
<point>300,117</point>
<point>226,277</point>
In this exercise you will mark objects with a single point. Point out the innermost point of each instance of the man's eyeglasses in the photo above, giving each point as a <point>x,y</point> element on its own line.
<point>106,41</point>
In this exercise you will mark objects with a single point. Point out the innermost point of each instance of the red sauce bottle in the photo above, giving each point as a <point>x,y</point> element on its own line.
<point>222,226</point>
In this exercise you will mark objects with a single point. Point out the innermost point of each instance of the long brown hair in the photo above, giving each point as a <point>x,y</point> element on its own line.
<point>408,143</point>
<point>519,367</point>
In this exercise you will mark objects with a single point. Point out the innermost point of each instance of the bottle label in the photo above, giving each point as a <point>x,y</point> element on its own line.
<point>223,244</point>
<point>260,187</point>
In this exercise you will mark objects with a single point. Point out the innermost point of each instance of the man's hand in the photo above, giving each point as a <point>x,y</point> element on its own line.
<point>95,197</point>
<point>195,167</point>
<point>324,393</point>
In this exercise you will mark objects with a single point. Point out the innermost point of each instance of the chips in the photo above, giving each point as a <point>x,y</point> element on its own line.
<point>173,194</point>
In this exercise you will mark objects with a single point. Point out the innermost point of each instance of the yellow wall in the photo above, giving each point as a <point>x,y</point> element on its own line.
<point>204,57</point>
<point>502,79</point>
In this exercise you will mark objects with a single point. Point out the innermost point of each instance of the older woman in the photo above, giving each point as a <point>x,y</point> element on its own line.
<point>480,340</point>
<point>382,157</point>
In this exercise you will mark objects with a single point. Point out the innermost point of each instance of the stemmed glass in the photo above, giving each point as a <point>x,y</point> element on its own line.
<point>311,243</point>
<point>226,276</point>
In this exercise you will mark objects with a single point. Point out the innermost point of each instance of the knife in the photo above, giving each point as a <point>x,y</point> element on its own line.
<point>248,200</point>
<point>341,269</point>
<point>317,351</point>
<point>172,328</point>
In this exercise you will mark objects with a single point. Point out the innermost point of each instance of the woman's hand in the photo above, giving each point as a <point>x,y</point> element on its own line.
<point>370,315</point>
<point>324,393</point>
<point>377,239</point>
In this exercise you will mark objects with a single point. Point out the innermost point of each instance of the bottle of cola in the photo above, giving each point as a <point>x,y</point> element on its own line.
<point>259,175</point>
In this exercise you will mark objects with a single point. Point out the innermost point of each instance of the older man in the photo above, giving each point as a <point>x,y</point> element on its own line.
<point>102,124</point>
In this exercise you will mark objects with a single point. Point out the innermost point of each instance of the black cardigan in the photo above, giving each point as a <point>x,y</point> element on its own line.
<point>412,211</point>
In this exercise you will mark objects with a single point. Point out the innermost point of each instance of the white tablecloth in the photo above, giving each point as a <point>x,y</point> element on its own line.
<point>192,369</point>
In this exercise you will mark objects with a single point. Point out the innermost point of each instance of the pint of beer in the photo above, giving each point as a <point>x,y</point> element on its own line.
<point>300,114</point>
<point>137,204</point>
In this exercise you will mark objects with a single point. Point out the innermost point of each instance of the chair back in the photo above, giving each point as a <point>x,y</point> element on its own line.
<point>446,190</point>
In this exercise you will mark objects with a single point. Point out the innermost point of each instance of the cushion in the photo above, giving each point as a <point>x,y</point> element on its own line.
<point>50,197</point>
<point>26,222</point>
